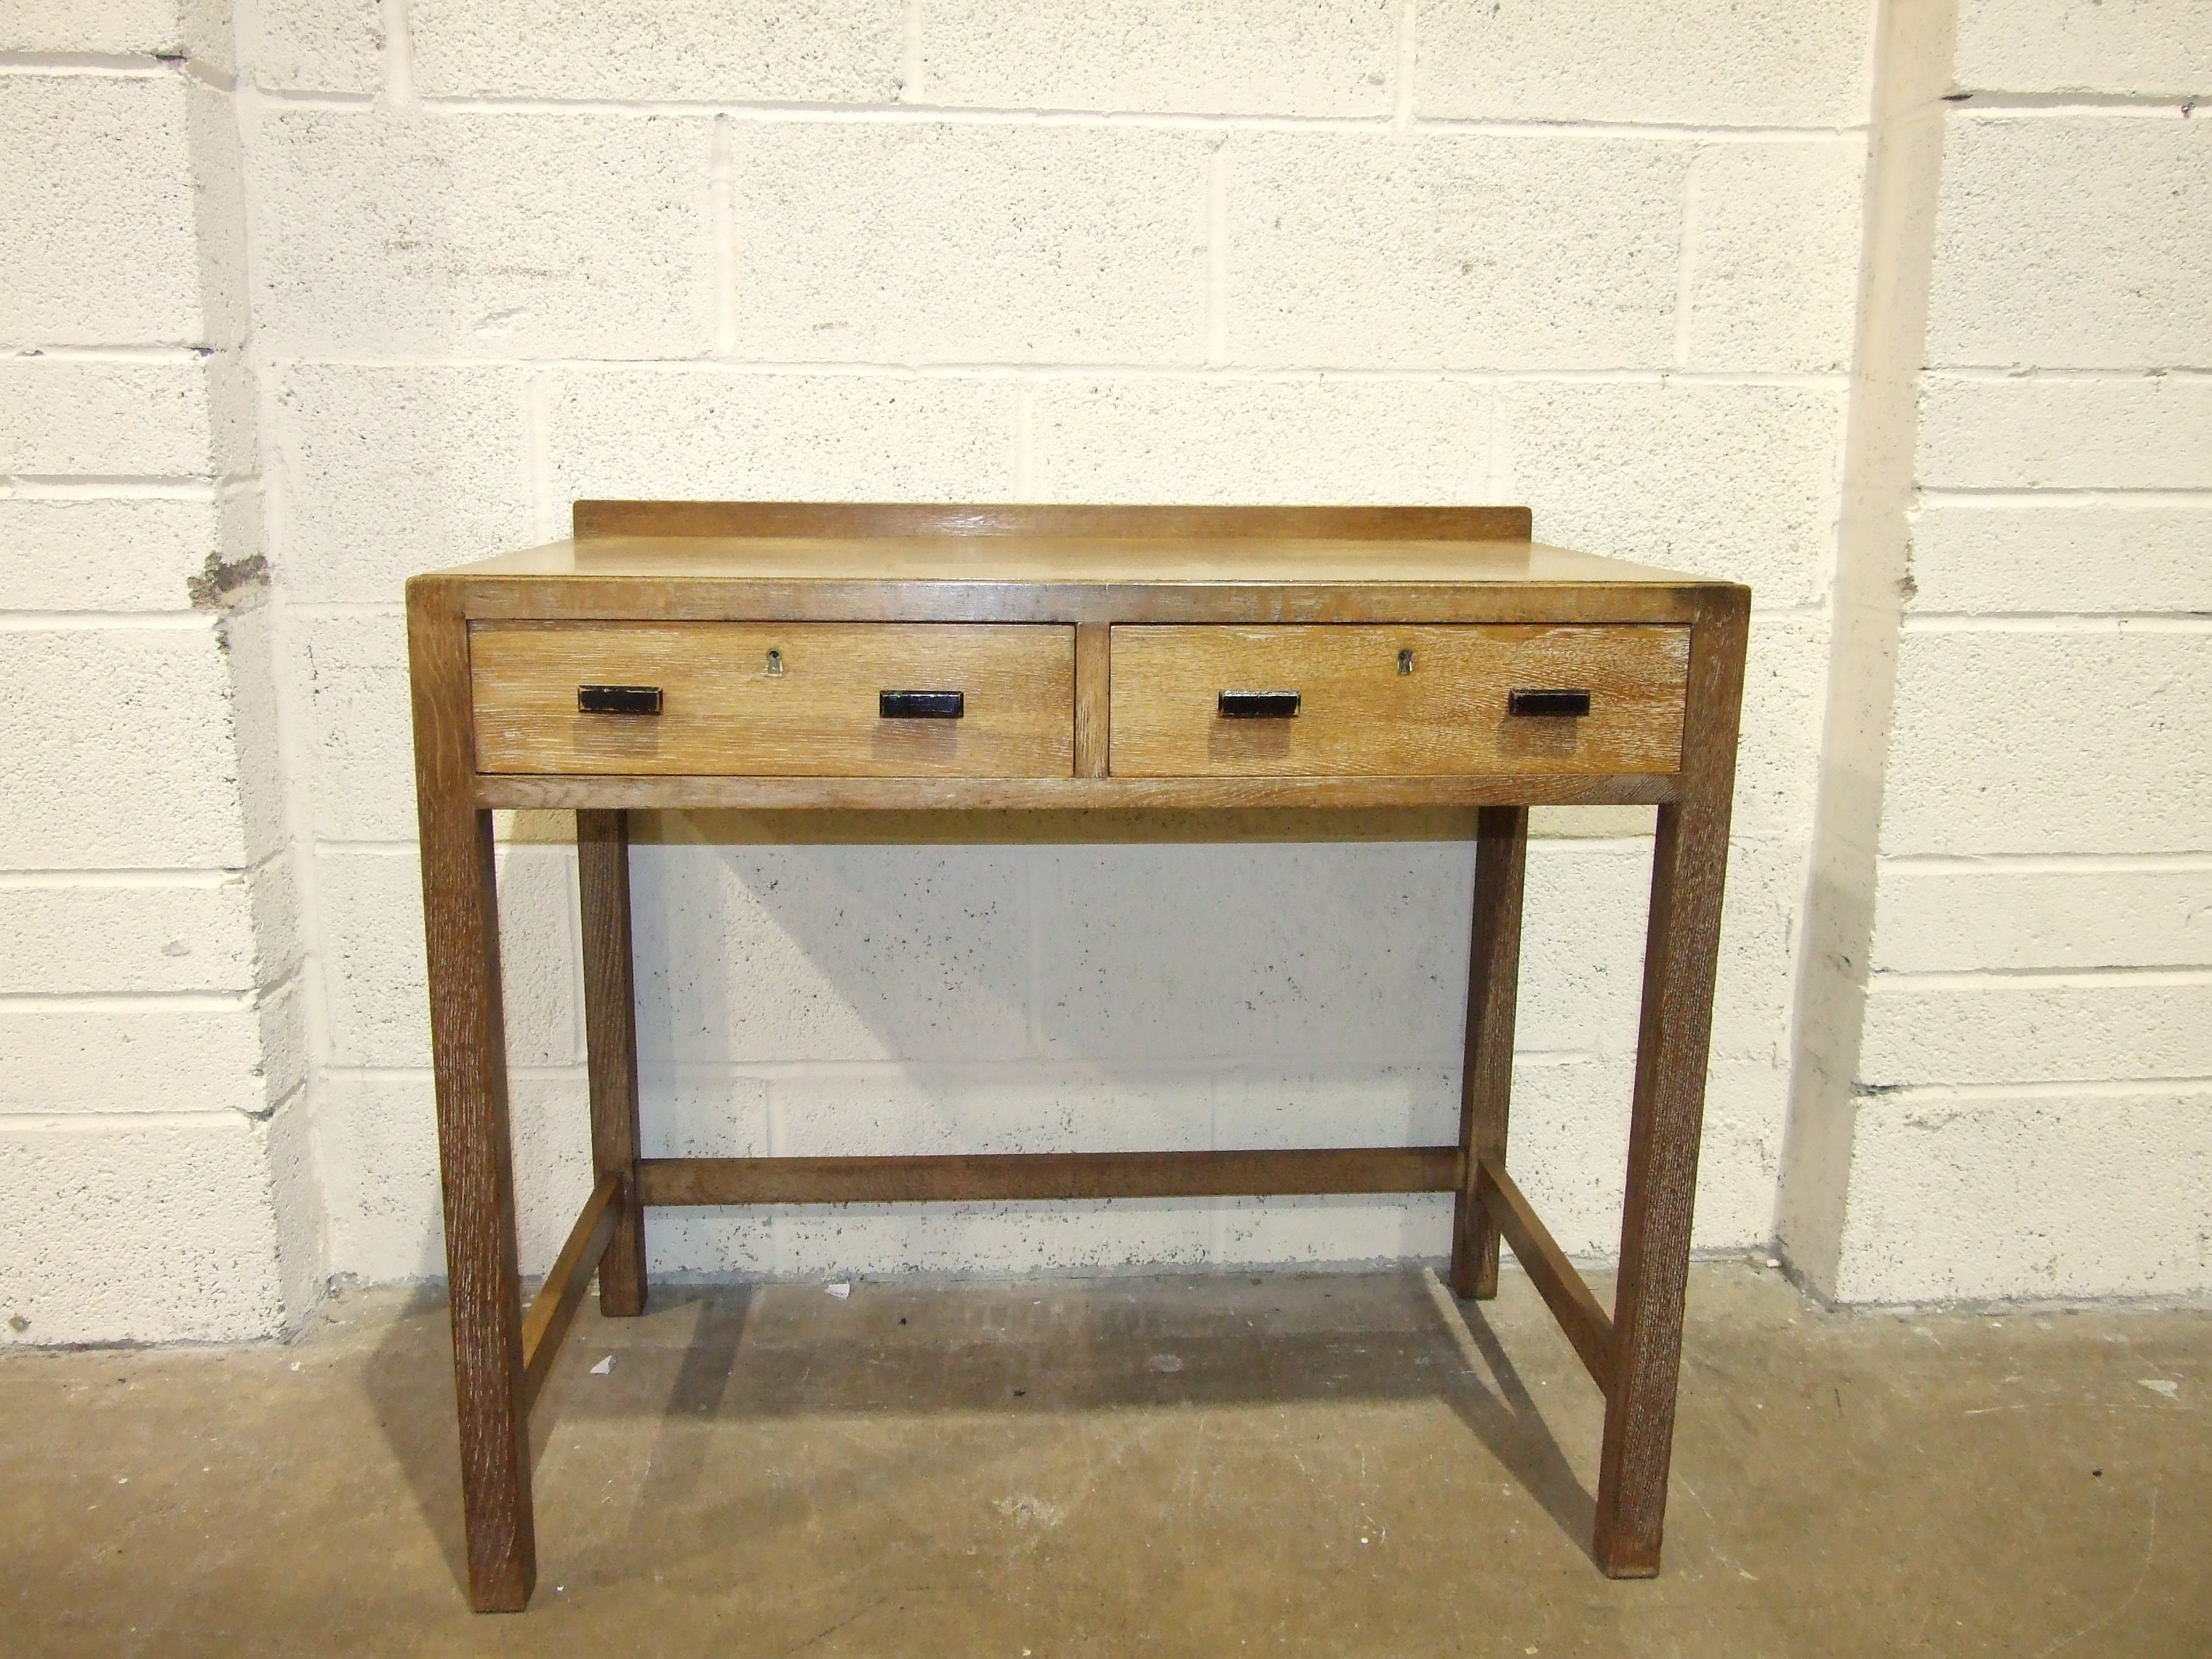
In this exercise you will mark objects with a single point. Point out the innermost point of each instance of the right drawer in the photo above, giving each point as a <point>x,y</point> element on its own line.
<point>1336,700</point>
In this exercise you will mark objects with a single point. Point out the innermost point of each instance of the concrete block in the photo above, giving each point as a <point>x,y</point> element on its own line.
<point>104,555</point>
<point>62,417</point>
<point>218,201</point>
<point>1739,1154</point>
<point>1250,58</point>
<point>1569,1150</point>
<point>1451,251</point>
<point>124,27</point>
<point>247,640</point>
<point>1775,262</point>
<point>2007,742</point>
<point>1583,926</point>
<point>1256,1108</point>
<point>303,1273</point>
<point>145,1057</point>
<point>1759,927</point>
<point>2095,1194</point>
<point>816,51</point>
<point>1958,917</point>
<point>2073,244</point>
<point>831,953</point>
<point>509,235</point>
<point>2004,1029</point>
<point>234,441</point>
<point>378,1007</point>
<point>388,472</point>
<point>320,46</point>
<point>842,1111</point>
<point>1785,687</point>
<point>2069,555</point>
<point>272,893</point>
<point>98,202</point>
<point>1261,440</point>
<point>1675,62</point>
<point>2124,433</point>
<point>703,1111</point>
<point>1345,1228</point>
<point>955,244</point>
<point>138,768</point>
<point>849,1240</point>
<point>165,1233</point>
<point>363,767</point>
<point>378,1139</point>
<point>103,937</point>
<point>715,1244</point>
<point>1738,482</point>
<point>211,35</point>
<point>2129,46</point>
<point>770,437</point>
<point>1281,954</point>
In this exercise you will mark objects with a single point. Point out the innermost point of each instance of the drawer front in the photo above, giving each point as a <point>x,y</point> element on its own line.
<point>1364,707</point>
<point>776,700</point>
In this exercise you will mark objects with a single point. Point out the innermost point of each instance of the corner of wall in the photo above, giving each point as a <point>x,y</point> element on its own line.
<point>237,583</point>
<point>1914,46</point>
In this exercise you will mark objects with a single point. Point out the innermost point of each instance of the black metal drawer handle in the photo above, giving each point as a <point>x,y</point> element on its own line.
<point>1572,703</point>
<point>921,705</point>
<point>1258,705</point>
<point>618,700</point>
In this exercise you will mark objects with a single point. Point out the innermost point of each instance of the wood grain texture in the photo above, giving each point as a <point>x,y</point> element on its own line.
<point>1361,714</point>
<point>1689,864</point>
<point>611,1047</point>
<point>1093,666</point>
<point>999,1177</point>
<point>866,518</point>
<point>555,1305</point>
<point>1501,859</point>
<point>519,791</point>
<point>776,699</point>
<point>1563,1289</point>
<point>468,1057</point>
<point>662,581</point>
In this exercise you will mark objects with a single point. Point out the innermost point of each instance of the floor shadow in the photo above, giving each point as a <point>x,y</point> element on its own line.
<point>708,1356</point>
<point>704,1356</point>
<point>1505,1418</point>
<point>409,1379</point>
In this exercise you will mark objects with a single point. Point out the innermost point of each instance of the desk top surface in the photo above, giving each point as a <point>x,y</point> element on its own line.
<point>1059,546</point>
<point>1061,560</point>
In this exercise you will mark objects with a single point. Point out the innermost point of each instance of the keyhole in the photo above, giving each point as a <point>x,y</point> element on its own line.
<point>775,662</point>
<point>1404,662</point>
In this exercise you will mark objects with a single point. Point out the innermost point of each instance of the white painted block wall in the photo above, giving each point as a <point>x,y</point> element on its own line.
<point>154,1138</point>
<point>2036,1078</point>
<point>478,258</point>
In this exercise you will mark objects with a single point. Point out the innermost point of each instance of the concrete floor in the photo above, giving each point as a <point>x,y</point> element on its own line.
<point>1323,1464</point>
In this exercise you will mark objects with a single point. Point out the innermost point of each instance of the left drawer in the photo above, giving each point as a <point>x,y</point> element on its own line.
<point>776,700</point>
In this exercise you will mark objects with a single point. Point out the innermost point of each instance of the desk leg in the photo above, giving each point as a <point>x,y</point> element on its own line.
<point>468,1048</point>
<point>1501,857</point>
<point>1689,862</point>
<point>611,1039</point>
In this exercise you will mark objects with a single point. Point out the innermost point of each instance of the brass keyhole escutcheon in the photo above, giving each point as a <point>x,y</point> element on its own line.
<point>775,662</point>
<point>1404,662</point>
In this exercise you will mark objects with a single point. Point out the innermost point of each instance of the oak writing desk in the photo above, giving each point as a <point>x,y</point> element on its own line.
<point>697,654</point>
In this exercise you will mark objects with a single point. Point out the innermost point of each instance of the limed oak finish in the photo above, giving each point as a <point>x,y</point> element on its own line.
<point>773,655</point>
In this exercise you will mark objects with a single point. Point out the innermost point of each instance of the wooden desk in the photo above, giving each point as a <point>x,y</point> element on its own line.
<point>694,654</point>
